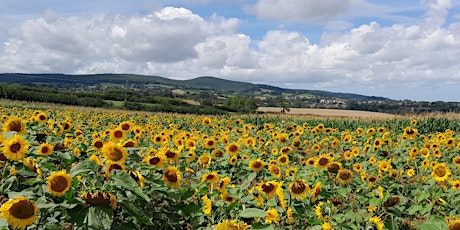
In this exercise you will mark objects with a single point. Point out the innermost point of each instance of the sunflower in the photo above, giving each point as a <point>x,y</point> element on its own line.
<point>217,153</point>
<point>455,184</point>
<point>274,170</point>
<point>344,176</point>
<point>256,165</point>
<point>191,155</point>
<point>316,191</point>
<point>272,215</point>
<point>209,143</point>
<point>206,121</point>
<point>226,197</point>
<point>323,161</point>
<point>384,166</point>
<point>204,160</point>
<point>171,155</point>
<point>391,201</point>
<point>117,135</point>
<point>377,221</point>
<point>130,144</point>
<point>232,224</point>
<point>172,176</point>
<point>59,183</point>
<point>268,188</point>
<point>334,167</point>
<point>440,172</point>
<point>15,148</point>
<point>357,167</point>
<point>210,177</point>
<point>454,223</point>
<point>137,176</point>
<point>232,149</point>
<point>290,217</point>
<point>207,207</point>
<point>113,166</point>
<point>157,161</point>
<point>310,161</point>
<point>299,189</point>
<point>125,126</point>
<point>45,149</point>
<point>283,159</point>
<point>15,124</point>
<point>223,183</point>
<point>19,213</point>
<point>94,198</point>
<point>41,116</point>
<point>410,133</point>
<point>114,153</point>
<point>97,143</point>
<point>190,144</point>
<point>233,160</point>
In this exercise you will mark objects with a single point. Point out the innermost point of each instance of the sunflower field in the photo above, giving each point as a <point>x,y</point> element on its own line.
<point>89,169</point>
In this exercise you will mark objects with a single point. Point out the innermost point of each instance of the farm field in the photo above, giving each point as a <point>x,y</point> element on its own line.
<point>81,168</point>
<point>328,112</point>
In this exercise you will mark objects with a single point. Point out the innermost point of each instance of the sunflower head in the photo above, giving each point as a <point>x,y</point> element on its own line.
<point>19,213</point>
<point>440,172</point>
<point>268,188</point>
<point>114,153</point>
<point>344,176</point>
<point>172,176</point>
<point>59,183</point>
<point>15,148</point>
<point>45,149</point>
<point>94,198</point>
<point>15,124</point>
<point>210,177</point>
<point>256,165</point>
<point>299,189</point>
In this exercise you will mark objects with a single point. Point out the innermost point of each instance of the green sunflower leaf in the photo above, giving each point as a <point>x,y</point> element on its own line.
<point>125,181</point>
<point>252,213</point>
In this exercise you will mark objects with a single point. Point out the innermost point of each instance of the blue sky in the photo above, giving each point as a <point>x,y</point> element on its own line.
<point>395,49</point>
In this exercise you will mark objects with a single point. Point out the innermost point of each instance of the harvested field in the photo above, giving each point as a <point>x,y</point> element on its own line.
<point>328,112</point>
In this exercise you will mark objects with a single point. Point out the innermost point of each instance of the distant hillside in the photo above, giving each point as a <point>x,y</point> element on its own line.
<point>207,83</point>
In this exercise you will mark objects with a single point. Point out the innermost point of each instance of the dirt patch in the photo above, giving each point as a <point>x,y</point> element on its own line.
<point>328,112</point>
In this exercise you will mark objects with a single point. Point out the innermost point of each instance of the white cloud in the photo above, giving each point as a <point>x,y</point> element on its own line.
<point>371,58</point>
<point>299,10</point>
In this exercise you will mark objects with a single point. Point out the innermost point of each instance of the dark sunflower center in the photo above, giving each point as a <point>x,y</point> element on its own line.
<point>118,134</point>
<point>345,175</point>
<point>116,154</point>
<point>59,183</point>
<point>129,144</point>
<point>283,159</point>
<point>98,144</point>
<point>372,179</point>
<point>42,117</point>
<point>15,126</point>
<point>154,160</point>
<point>170,154</point>
<point>115,167</point>
<point>45,149</point>
<point>171,176</point>
<point>257,164</point>
<point>125,126</point>
<point>15,147</point>
<point>22,210</point>
<point>298,187</point>
<point>233,148</point>
<point>268,188</point>
<point>210,177</point>
<point>323,161</point>
<point>333,168</point>
<point>410,132</point>
<point>218,153</point>
<point>440,171</point>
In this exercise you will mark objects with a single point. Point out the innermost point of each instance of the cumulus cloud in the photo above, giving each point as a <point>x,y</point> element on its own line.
<point>299,10</point>
<point>371,58</point>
